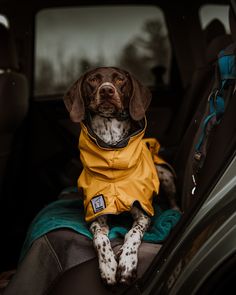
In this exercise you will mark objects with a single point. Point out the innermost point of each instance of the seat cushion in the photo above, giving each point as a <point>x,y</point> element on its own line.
<point>65,261</point>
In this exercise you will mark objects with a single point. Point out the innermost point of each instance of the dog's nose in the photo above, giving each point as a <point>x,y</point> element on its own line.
<point>106,91</point>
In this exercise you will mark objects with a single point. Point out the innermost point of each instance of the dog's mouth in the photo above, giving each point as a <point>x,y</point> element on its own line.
<point>109,110</point>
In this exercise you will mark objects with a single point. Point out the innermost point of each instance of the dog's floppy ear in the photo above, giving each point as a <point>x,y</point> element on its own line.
<point>139,101</point>
<point>74,101</point>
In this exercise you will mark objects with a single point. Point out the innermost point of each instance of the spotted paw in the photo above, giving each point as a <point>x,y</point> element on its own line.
<point>108,269</point>
<point>127,267</point>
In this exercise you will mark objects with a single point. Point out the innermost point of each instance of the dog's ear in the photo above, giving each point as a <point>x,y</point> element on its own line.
<point>74,101</point>
<point>139,101</point>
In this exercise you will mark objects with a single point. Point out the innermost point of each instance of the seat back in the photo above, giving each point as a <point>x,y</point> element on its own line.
<point>200,85</point>
<point>13,98</point>
<point>215,141</point>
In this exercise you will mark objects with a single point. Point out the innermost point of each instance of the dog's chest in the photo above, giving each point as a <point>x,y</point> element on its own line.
<point>110,130</point>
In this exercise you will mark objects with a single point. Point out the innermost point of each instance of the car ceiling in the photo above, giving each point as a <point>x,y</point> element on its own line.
<point>39,4</point>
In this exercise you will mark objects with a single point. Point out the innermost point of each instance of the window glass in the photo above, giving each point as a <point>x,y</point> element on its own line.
<point>209,13</point>
<point>4,20</point>
<point>70,41</point>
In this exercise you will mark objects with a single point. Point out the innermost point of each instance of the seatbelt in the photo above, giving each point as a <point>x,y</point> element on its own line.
<point>225,76</point>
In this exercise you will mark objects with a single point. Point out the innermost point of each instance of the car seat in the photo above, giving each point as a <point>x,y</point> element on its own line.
<point>13,98</point>
<point>199,87</point>
<point>200,84</point>
<point>183,161</point>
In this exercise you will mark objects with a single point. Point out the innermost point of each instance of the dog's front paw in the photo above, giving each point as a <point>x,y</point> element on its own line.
<point>127,267</point>
<point>108,269</point>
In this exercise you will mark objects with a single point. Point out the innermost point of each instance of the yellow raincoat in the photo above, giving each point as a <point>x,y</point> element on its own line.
<point>114,178</point>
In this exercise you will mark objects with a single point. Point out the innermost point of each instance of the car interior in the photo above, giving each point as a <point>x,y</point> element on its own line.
<point>172,47</point>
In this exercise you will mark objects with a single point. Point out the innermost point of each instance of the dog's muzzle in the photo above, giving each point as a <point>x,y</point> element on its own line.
<point>107,90</point>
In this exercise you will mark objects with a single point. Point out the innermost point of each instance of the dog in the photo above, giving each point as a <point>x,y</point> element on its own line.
<point>110,104</point>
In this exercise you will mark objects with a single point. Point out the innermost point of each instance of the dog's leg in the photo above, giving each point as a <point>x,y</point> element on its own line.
<point>167,183</point>
<point>128,254</point>
<point>106,257</point>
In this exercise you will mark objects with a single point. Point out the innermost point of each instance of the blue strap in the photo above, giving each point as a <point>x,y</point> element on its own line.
<point>217,107</point>
<point>227,69</point>
<point>216,112</point>
<point>227,66</point>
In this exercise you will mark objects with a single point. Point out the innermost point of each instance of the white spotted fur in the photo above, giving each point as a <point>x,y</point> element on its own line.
<point>106,257</point>
<point>110,130</point>
<point>128,253</point>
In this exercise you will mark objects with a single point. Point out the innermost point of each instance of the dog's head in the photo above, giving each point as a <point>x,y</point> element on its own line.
<point>108,91</point>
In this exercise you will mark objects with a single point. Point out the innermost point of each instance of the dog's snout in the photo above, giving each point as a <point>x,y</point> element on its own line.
<point>106,91</point>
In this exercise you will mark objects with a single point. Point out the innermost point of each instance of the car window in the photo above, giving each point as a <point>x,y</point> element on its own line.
<point>4,20</point>
<point>69,41</point>
<point>211,12</point>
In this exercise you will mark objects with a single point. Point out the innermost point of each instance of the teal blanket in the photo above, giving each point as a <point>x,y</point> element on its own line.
<point>70,214</point>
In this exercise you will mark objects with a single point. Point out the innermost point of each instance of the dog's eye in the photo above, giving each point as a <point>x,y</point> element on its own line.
<point>119,80</point>
<point>93,80</point>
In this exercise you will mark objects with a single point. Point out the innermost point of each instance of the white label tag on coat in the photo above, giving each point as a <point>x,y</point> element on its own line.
<point>98,203</point>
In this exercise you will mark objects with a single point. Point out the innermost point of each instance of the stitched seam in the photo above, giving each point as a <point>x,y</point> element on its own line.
<point>53,253</point>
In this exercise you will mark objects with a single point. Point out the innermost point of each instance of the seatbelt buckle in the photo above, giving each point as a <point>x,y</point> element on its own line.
<point>197,156</point>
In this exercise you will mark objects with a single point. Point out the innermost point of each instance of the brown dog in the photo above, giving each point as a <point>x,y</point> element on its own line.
<point>111,105</point>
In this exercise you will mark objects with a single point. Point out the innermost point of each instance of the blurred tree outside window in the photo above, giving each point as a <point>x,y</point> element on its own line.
<point>70,41</point>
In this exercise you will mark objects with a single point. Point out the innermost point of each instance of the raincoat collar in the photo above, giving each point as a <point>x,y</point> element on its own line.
<point>138,127</point>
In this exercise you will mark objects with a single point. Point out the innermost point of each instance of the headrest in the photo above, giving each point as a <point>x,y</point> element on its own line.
<point>232,20</point>
<point>213,29</point>
<point>216,45</point>
<point>8,58</point>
